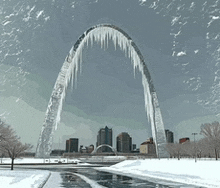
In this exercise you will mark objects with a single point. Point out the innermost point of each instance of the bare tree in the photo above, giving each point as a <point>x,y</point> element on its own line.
<point>211,131</point>
<point>169,149</point>
<point>175,150</point>
<point>10,144</point>
<point>5,131</point>
<point>203,148</point>
<point>188,149</point>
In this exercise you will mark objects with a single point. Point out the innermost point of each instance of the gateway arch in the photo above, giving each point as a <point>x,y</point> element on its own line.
<point>101,34</point>
<point>104,145</point>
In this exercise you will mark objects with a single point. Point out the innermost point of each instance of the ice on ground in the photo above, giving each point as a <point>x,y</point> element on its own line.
<point>92,183</point>
<point>23,178</point>
<point>186,171</point>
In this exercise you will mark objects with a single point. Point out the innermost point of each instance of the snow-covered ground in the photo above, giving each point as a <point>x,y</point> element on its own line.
<point>203,173</point>
<point>23,178</point>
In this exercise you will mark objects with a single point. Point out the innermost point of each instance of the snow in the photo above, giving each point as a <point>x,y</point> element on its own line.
<point>39,13</point>
<point>175,34</point>
<point>23,178</point>
<point>7,22</point>
<point>181,54</point>
<point>187,171</point>
<point>34,178</point>
<point>196,51</point>
<point>175,20</point>
<point>192,6</point>
<point>215,17</point>
<point>142,2</point>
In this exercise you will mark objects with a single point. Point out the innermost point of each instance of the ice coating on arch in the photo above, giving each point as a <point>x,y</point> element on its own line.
<point>100,34</point>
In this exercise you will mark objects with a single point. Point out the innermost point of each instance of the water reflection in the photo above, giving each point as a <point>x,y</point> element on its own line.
<point>104,178</point>
<point>123,178</point>
<point>118,181</point>
<point>69,179</point>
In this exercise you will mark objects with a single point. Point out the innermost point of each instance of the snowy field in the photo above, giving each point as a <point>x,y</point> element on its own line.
<point>203,173</point>
<point>23,178</point>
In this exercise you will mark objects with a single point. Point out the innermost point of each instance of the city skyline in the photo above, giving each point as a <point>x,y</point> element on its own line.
<point>169,136</point>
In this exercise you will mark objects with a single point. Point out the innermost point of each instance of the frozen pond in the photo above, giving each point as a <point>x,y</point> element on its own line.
<point>71,178</point>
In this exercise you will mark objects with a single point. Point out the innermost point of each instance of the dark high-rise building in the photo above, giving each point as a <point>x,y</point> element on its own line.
<point>72,145</point>
<point>124,142</point>
<point>104,137</point>
<point>169,136</point>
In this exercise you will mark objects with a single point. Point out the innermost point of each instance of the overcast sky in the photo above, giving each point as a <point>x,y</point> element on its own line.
<point>180,44</point>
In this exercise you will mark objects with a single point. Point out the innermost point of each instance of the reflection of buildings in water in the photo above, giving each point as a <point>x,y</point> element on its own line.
<point>104,178</point>
<point>71,180</point>
<point>69,177</point>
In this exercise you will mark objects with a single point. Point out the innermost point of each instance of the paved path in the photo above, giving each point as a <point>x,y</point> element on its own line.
<point>54,181</point>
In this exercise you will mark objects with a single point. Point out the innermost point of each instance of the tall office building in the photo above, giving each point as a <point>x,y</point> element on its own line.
<point>169,136</point>
<point>104,137</point>
<point>72,145</point>
<point>124,142</point>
